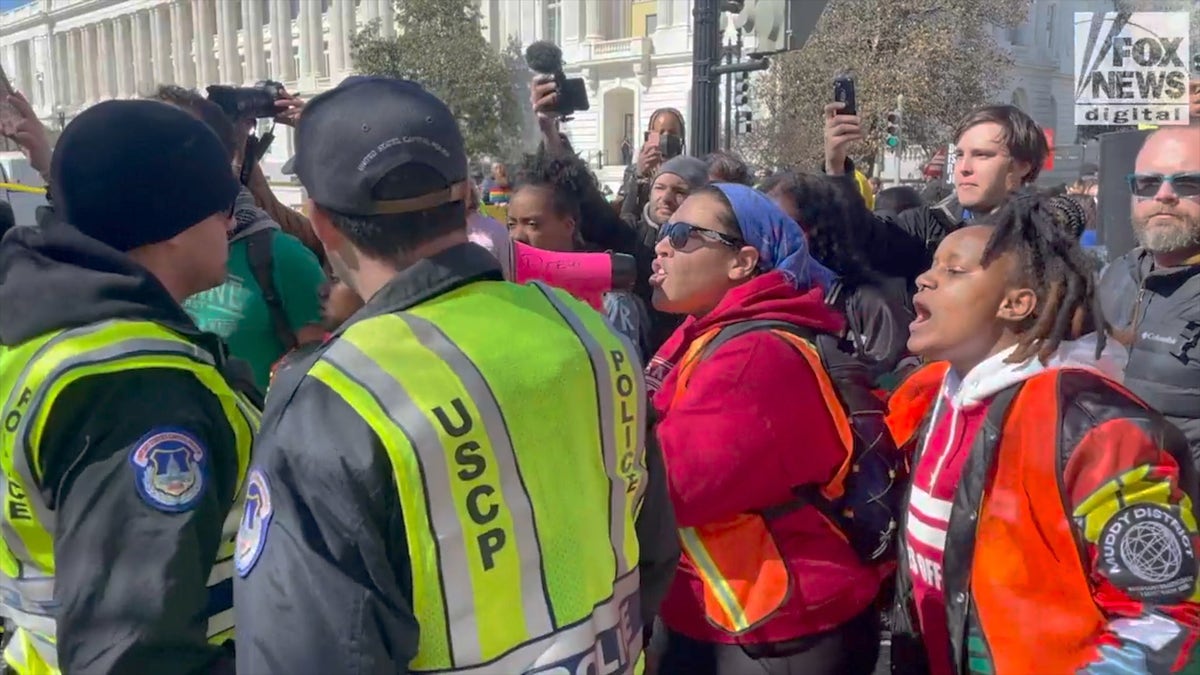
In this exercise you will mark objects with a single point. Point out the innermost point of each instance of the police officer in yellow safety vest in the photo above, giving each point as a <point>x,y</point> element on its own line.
<point>458,481</point>
<point>122,444</point>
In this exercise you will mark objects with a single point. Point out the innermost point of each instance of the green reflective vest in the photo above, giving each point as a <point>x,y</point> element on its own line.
<point>32,375</point>
<point>520,527</point>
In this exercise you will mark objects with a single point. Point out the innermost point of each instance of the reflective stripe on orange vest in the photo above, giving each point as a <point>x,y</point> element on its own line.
<point>746,580</point>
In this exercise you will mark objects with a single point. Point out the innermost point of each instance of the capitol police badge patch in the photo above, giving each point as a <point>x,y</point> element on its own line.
<point>252,533</point>
<point>170,469</point>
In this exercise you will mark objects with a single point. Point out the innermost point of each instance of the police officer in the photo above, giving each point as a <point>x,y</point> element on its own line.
<point>122,445</point>
<point>458,480</point>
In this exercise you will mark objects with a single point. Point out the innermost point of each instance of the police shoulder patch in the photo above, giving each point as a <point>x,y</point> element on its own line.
<point>170,468</point>
<point>1147,551</point>
<point>252,533</point>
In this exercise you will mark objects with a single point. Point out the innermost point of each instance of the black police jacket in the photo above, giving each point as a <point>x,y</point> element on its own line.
<point>130,579</point>
<point>351,550</point>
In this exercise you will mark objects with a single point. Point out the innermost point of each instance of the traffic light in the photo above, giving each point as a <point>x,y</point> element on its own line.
<point>741,90</point>
<point>744,119</point>
<point>892,139</point>
<point>777,25</point>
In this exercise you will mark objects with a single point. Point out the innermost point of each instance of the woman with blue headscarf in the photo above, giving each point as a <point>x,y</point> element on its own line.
<point>742,424</point>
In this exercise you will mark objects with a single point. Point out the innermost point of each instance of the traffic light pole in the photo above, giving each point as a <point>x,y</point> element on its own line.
<point>706,56</point>
<point>728,141</point>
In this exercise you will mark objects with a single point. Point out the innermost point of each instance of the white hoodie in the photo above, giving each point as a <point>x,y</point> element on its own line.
<point>994,375</point>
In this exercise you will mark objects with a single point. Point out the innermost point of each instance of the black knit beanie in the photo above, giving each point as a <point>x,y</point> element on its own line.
<point>132,173</point>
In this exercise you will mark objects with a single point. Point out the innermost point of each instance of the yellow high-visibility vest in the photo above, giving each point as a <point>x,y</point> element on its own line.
<point>32,375</point>
<point>519,526</point>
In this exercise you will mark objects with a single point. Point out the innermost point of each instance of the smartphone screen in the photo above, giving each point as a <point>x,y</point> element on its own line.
<point>843,92</point>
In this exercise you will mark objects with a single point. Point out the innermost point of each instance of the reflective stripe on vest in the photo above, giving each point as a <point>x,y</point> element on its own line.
<point>34,374</point>
<point>745,578</point>
<point>513,567</point>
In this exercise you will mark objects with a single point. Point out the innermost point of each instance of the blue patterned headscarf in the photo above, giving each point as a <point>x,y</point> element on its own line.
<point>780,241</point>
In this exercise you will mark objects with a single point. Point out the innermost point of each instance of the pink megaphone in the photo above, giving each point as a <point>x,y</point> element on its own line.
<point>587,276</point>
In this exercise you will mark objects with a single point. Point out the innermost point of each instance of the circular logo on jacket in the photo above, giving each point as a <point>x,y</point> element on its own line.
<point>169,467</point>
<point>252,533</point>
<point>1146,550</point>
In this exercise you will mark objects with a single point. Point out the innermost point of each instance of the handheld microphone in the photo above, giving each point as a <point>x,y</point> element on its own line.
<point>546,58</point>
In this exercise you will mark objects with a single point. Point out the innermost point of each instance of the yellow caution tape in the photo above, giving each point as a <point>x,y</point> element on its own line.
<point>17,187</point>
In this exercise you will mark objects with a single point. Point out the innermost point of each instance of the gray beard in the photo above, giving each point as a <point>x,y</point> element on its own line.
<point>1180,236</point>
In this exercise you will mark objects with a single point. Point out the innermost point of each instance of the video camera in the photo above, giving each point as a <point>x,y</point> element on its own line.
<point>241,103</point>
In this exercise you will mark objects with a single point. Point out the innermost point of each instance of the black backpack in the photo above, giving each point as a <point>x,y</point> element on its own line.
<point>262,266</point>
<point>869,509</point>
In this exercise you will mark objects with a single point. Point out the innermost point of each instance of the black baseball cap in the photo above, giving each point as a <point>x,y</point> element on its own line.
<point>352,136</point>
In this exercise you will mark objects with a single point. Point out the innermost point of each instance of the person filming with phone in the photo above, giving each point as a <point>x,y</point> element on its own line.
<point>999,151</point>
<point>671,178</point>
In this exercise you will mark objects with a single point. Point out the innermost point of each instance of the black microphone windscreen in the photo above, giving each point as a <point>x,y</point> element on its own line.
<point>543,57</point>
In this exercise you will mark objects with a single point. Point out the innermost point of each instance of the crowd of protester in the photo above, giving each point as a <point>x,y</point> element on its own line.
<point>919,425</point>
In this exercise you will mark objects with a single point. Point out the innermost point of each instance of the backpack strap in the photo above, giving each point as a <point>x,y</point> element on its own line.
<point>262,266</point>
<point>813,346</point>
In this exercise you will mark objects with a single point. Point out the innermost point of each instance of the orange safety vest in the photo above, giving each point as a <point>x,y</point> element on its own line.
<point>1025,569</point>
<point>912,400</point>
<point>745,578</point>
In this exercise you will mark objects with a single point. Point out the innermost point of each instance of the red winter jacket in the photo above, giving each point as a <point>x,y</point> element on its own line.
<point>751,426</point>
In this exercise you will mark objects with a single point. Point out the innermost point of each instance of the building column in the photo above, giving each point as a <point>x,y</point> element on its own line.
<point>62,74</point>
<point>160,44</point>
<point>681,13</point>
<point>176,13</point>
<point>141,52</point>
<point>75,66</point>
<point>123,63</point>
<point>387,18</point>
<point>227,41</point>
<point>185,62</point>
<point>89,64</point>
<point>664,13</point>
<point>592,7</point>
<point>281,41</point>
<point>305,26</point>
<point>370,10</point>
<point>337,38</point>
<point>572,21</point>
<point>317,35</point>
<point>252,24</point>
<point>104,60</point>
<point>350,29</point>
<point>202,45</point>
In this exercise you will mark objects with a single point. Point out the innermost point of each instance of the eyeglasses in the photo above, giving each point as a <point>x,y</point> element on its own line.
<point>1185,184</point>
<point>678,233</point>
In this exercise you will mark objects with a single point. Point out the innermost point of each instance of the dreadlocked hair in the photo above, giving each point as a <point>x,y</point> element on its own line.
<point>827,218</point>
<point>565,175</point>
<point>1059,270</point>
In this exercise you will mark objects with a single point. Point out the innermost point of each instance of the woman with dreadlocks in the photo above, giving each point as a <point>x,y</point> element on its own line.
<point>1050,525</point>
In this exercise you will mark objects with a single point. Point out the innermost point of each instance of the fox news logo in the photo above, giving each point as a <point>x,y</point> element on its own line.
<point>1131,68</point>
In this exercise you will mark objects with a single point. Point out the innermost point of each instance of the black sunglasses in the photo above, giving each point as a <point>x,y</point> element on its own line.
<point>1185,183</point>
<point>678,233</point>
